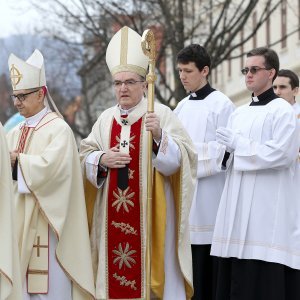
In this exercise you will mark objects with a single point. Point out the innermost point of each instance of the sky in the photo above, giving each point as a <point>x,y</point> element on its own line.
<point>16,17</point>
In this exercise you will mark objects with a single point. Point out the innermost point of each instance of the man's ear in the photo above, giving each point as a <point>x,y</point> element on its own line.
<point>272,74</point>
<point>205,71</point>
<point>41,95</point>
<point>295,91</point>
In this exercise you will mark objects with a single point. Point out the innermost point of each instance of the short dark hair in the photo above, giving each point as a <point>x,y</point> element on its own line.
<point>194,53</point>
<point>271,58</point>
<point>294,79</point>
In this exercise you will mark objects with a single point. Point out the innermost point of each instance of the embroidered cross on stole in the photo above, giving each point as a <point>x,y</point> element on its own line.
<point>125,265</point>
<point>38,268</point>
<point>124,147</point>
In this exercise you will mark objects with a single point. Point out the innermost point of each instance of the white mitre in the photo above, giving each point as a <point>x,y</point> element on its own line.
<point>124,53</point>
<point>27,74</point>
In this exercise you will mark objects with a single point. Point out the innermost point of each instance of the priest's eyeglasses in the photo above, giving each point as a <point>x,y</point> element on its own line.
<point>253,70</point>
<point>128,83</point>
<point>22,97</point>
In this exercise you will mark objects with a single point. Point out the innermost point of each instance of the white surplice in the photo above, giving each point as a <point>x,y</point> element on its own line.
<point>201,118</point>
<point>259,212</point>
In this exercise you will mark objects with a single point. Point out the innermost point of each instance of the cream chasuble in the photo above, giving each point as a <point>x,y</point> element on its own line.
<point>10,277</point>
<point>119,224</point>
<point>52,198</point>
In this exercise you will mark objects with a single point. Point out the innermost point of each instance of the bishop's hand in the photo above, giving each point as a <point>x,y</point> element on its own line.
<point>113,158</point>
<point>13,157</point>
<point>152,124</point>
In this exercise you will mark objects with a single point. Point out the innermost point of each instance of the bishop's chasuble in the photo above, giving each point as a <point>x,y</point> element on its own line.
<point>10,280</point>
<point>49,200</point>
<point>118,214</point>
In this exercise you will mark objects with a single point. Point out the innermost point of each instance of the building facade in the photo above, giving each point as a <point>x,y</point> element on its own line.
<point>281,32</point>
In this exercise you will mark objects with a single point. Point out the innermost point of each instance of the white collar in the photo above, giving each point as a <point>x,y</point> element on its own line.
<point>34,120</point>
<point>127,111</point>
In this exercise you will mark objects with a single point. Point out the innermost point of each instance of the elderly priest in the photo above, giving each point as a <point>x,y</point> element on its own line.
<point>114,158</point>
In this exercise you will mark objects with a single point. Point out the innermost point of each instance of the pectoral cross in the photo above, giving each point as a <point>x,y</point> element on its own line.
<point>38,246</point>
<point>124,144</point>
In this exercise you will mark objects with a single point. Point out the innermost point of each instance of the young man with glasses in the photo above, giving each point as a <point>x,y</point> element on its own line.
<point>51,217</point>
<point>257,232</point>
<point>114,159</point>
<point>202,112</point>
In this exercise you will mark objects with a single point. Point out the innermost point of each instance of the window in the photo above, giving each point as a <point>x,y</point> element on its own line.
<point>229,66</point>
<point>254,24</point>
<point>283,23</point>
<point>268,26</point>
<point>242,49</point>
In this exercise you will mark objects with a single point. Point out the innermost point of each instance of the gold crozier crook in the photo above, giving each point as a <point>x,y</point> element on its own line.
<point>149,48</point>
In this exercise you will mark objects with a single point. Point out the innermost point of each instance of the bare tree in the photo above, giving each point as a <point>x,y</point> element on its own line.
<point>89,25</point>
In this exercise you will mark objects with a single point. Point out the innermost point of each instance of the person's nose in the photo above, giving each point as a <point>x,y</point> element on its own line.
<point>17,101</point>
<point>249,74</point>
<point>182,75</point>
<point>123,86</point>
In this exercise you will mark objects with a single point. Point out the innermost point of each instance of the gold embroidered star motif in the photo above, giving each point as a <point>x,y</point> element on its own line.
<point>130,141</point>
<point>124,256</point>
<point>123,199</point>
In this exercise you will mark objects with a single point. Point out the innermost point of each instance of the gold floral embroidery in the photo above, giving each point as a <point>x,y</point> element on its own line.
<point>130,173</point>
<point>124,256</point>
<point>164,144</point>
<point>124,281</point>
<point>123,199</point>
<point>126,228</point>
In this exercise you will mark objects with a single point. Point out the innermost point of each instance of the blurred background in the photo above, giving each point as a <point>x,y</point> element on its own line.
<point>73,36</point>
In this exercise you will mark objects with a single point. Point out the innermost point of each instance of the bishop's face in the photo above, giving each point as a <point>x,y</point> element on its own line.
<point>28,102</point>
<point>191,77</point>
<point>129,89</point>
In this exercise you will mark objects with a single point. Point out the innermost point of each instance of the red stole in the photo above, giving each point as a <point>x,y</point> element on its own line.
<point>124,223</point>
<point>23,138</point>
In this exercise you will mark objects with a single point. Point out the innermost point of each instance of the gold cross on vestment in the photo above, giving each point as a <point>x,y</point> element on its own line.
<point>38,246</point>
<point>15,76</point>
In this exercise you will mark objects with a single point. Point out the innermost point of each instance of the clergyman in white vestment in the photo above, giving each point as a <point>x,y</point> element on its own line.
<point>52,227</point>
<point>114,161</point>
<point>257,230</point>
<point>201,113</point>
<point>10,276</point>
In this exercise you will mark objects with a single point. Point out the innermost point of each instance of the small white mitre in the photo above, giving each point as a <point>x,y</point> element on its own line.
<point>124,53</point>
<point>27,74</point>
